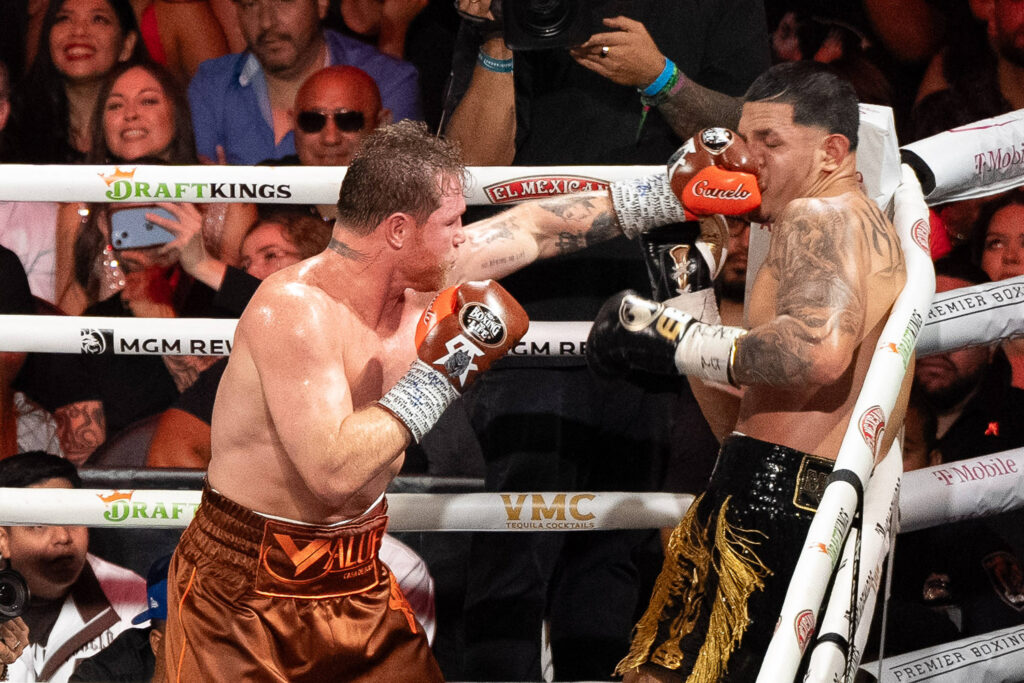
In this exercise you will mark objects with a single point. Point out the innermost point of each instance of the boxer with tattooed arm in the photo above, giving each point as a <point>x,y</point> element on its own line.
<point>820,300</point>
<point>339,362</point>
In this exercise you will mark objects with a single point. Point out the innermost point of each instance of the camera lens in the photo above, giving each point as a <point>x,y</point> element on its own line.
<point>548,17</point>
<point>13,594</point>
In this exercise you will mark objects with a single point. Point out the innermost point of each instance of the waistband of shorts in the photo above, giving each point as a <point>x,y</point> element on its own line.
<point>771,474</point>
<point>290,559</point>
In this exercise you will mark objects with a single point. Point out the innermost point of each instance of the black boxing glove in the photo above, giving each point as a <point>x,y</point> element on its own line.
<point>633,333</point>
<point>463,330</point>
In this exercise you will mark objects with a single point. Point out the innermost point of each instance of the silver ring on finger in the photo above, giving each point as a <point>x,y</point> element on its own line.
<point>604,51</point>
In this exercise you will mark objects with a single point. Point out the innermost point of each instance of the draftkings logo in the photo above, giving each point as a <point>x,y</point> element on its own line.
<point>120,507</point>
<point>532,187</point>
<point>122,186</point>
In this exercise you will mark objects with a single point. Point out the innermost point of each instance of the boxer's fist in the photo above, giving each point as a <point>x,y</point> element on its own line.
<point>467,327</point>
<point>713,173</point>
<point>632,333</point>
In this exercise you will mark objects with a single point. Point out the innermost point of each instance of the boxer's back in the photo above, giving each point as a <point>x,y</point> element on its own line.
<point>813,418</point>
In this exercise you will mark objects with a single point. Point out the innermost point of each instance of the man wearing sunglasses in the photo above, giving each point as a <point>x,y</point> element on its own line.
<point>241,102</point>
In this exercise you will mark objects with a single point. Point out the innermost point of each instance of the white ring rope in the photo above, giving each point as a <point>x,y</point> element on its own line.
<point>951,492</point>
<point>971,316</point>
<point>279,184</point>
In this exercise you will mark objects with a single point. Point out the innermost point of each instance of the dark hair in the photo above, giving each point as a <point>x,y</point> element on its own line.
<point>31,467</point>
<point>988,211</point>
<point>182,148</point>
<point>819,97</point>
<point>39,128</point>
<point>399,168</point>
<point>958,264</point>
<point>308,233</point>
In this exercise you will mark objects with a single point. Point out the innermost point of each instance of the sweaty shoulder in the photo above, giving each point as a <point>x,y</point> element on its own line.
<point>284,301</point>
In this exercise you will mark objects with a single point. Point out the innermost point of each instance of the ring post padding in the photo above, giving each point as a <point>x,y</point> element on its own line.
<point>862,441</point>
<point>519,511</point>
<point>881,522</point>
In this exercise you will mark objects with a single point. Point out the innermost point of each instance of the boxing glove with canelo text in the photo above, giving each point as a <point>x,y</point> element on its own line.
<point>464,329</point>
<point>712,173</point>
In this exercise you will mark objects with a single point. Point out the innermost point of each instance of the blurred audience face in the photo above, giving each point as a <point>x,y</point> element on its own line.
<point>1002,253</point>
<point>946,379</point>
<point>334,109</point>
<point>87,41</point>
<point>734,272</point>
<point>1006,30</point>
<point>267,250</point>
<point>283,34</point>
<point>5,95</point>
<point>49,557</point>
<point>138,117</point>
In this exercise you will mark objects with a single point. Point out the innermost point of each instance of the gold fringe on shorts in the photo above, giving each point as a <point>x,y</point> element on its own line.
<point>681,586</point>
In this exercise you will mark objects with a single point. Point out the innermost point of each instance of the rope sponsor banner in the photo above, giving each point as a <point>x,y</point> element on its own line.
<point>976,160</point>
<point>973,316</point>
<point>208,336</point>
<point>964,489</point>
<point>996,657</point>
<point>279,184</point>
<point>517,511</point>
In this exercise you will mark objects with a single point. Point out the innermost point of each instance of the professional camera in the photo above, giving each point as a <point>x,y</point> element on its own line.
<point>547,24</point>
<point>13,594</point>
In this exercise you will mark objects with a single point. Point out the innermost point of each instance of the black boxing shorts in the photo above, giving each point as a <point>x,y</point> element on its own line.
<point>252,598</point>
<point>728,564</point>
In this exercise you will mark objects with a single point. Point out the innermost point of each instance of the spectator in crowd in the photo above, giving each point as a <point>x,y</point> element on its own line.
<point>999,250</point>
<point>976,407</point>
<point>28,228</point>
<point>142,115</point>
<point>241,102</point>
<point>79,602</point>
<point>24,425</point>
<point>82,41</point>
<point>418,31</point>
<point>333,110</point>
<point>548,424</point>
<point>180,35</point>
<point>137,654</point>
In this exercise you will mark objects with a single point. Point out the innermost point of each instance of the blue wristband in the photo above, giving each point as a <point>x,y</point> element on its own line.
<point>498,66</point>
<point>659,82</point>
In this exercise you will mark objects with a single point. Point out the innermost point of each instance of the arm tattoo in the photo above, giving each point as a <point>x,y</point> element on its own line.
<point>694,107</point>
<point>818,300</point>
<point>81,427</point>
<point>185,370</point>
<point>346,251</point>
<point>587,223</point>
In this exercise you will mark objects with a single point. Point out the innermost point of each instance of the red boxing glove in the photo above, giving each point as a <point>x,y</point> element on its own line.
<point>467,327</point>
<point>713,173</point>
<point>464,329</point>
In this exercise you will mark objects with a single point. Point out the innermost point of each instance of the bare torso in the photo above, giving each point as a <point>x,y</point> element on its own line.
<point>249,463</point>
<point>813,417</point>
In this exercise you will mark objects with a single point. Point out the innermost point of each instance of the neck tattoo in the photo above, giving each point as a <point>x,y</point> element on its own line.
<point>346,251</point>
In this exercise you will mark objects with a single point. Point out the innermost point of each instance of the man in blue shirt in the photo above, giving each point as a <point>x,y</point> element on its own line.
<point>241,102</point>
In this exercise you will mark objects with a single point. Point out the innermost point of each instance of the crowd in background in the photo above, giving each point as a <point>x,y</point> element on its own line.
<point>299,82</point>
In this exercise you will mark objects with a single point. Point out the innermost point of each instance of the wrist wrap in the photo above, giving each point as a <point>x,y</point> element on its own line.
<point>419,398</point>
<point>706,351</point>
<point>644,203</point>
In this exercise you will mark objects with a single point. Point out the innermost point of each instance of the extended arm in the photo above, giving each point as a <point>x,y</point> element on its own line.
<point>821,302</point>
